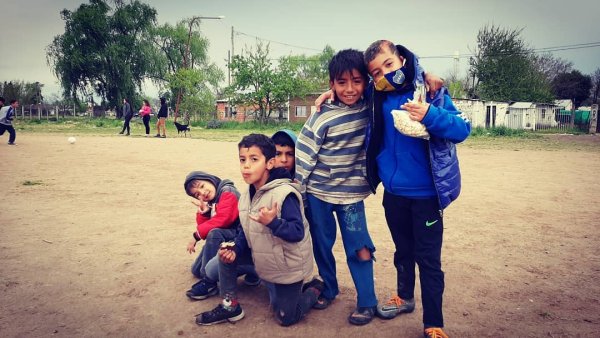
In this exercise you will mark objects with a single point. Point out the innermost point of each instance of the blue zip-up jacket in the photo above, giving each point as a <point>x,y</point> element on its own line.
<point>399,161</point>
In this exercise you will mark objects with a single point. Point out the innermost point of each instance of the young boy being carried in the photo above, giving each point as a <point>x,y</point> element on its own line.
<point>424,180</point>
<point>331,166</point>
<point>275,238</point>
<point>217,221</point>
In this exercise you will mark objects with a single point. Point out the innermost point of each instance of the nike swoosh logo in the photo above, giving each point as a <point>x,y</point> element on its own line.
<point>428,224</point>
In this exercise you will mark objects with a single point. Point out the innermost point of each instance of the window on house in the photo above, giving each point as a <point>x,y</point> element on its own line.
<point>300,111</point>
<point>543,113</point>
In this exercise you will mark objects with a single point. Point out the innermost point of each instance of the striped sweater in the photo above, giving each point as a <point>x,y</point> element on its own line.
<point>331,156</point>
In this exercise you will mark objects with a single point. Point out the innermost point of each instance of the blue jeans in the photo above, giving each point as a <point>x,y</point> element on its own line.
<point>355,236</point>
<point>211,245</point>
<point>212,269</point>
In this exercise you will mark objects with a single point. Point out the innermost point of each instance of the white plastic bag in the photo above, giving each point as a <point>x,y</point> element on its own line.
<point>408,126</point>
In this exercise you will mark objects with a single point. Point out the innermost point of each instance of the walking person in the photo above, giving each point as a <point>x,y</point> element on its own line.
<point>128,114</point>
<point>7,115</point>
<point>145,112</point>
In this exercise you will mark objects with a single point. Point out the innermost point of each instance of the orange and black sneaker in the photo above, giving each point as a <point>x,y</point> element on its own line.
<point>434,332</point>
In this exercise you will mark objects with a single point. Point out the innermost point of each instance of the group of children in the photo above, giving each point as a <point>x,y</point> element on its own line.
<point>274,230</point>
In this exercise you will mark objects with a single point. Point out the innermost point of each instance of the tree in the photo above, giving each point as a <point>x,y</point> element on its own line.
<point>103,50</point>
<point>260,84</point>
<point>551,66</point>
<point>503,68</point>
<point>572,85</point>
<point>197,77</point>
<point>25,92</point>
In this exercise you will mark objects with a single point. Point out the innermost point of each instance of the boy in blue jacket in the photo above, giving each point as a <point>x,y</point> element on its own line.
<point>421,177</point>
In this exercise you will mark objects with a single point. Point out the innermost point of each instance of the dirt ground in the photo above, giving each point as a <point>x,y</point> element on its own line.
<point>93,238</point>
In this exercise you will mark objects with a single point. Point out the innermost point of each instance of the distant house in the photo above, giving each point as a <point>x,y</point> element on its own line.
<point>529,115</point>
<point>485,114</point>
<point>298,110</point>
<point>564,104</point>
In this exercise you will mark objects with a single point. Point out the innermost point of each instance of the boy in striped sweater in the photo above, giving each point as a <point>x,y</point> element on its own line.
<point>331,167</point>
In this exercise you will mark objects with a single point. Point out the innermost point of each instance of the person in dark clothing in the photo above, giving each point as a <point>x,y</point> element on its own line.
<point>7,115</point>
<point>163,112</point>
<point>127,114</point>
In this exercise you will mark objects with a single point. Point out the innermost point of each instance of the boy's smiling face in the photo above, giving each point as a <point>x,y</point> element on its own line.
<point>254,166</point>
<point>348,87</point>
<point>383,63</point>
<point>203,190</point>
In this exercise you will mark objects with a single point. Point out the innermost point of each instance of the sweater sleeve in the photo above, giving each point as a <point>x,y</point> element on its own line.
<point>307,150</point>
<point>226,212</point>
<point>447,122</point>
<point>290,227</point>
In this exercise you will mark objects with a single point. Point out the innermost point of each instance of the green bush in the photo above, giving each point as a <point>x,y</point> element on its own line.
<point>213,124</point>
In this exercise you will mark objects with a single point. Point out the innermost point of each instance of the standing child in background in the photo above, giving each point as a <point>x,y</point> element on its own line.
<point>217,221</point>
<point>330,165</point>
<point>275,238</point>
<point>145,112</point>
<point>424,179</point>
<point>163,113</point>
<point>127,115</point>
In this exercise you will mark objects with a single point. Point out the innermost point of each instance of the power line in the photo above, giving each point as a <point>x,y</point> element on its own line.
<point>535,50</point>
<point>281,43</point>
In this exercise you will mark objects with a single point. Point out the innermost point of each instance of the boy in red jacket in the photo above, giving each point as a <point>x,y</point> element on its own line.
<point>217,221</point>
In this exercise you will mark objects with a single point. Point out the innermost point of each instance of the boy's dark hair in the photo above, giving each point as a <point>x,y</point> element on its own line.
<point>375,48</point>
<point>263,142</point>
<point>283,140</point>
<point>13,101</point>
<point>345,61</point>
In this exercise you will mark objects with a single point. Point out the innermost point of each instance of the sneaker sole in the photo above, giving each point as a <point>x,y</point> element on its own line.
<point>213,292</point>
<point>391,314</point>
<point>231,320</point>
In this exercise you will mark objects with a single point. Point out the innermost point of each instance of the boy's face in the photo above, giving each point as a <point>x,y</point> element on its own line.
<point>203,190</point>
<point>284,157</point>
<point>383,63</point>
<point>348,87</point>
<point>254,166</point>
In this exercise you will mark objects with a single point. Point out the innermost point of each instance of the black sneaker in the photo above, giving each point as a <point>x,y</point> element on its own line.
<point>315,283</point>
<point>362,315</point>
<point>222,313</point>
<point>202,290</point>
<point>251,279</point>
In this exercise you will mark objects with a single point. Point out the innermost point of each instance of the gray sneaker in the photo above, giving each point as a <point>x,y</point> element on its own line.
<point>394,307</point>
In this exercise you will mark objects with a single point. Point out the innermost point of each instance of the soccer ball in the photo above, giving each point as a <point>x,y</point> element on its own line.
<point>71,140</point>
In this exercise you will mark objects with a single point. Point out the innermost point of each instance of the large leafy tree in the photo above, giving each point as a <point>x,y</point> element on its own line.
<point>179,69</point>
<point>572,85</point>
<point>259,83</point>
<point>503,68</point>
<point>25,92</point>
<point>103,50</point>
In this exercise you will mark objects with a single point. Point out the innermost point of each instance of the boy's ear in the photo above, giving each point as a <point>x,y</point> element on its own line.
<point>271,163</point>
<point>331,85</point>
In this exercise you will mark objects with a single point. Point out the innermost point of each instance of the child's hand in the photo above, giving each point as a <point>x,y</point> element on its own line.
<point>191,247</point>
<point>226,255</point>
<point>416,109</point>
<point>203,207</point>
<point>328,95</point>
<point>434,83</point>
<point>265,215</point>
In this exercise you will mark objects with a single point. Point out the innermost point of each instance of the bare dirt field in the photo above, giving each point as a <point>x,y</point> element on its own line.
<point>93,238</point>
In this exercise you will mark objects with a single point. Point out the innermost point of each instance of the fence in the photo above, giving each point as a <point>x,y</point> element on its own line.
<point>547,119</point>
<point>47,112</point>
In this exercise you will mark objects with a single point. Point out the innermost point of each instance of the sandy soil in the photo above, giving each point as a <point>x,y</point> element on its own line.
<point>93,237</point>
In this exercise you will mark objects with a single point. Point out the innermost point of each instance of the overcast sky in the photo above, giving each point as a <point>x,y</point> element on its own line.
<point>429,28</point>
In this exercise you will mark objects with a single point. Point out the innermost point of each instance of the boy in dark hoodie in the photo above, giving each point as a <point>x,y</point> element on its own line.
<point>217,221</point>
<point>275,238</point>
<point>285,150</point>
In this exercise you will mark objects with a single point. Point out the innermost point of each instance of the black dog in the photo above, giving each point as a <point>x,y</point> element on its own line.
<point>182,128</point>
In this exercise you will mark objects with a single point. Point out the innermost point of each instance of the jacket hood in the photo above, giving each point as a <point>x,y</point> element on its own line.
<point>220,185</point>
<point>290,134</point>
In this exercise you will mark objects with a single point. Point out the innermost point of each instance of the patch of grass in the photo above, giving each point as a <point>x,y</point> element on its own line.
<point>28,183</point>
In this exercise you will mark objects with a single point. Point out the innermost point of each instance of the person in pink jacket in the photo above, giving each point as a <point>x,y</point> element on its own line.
<point>145,114</point>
